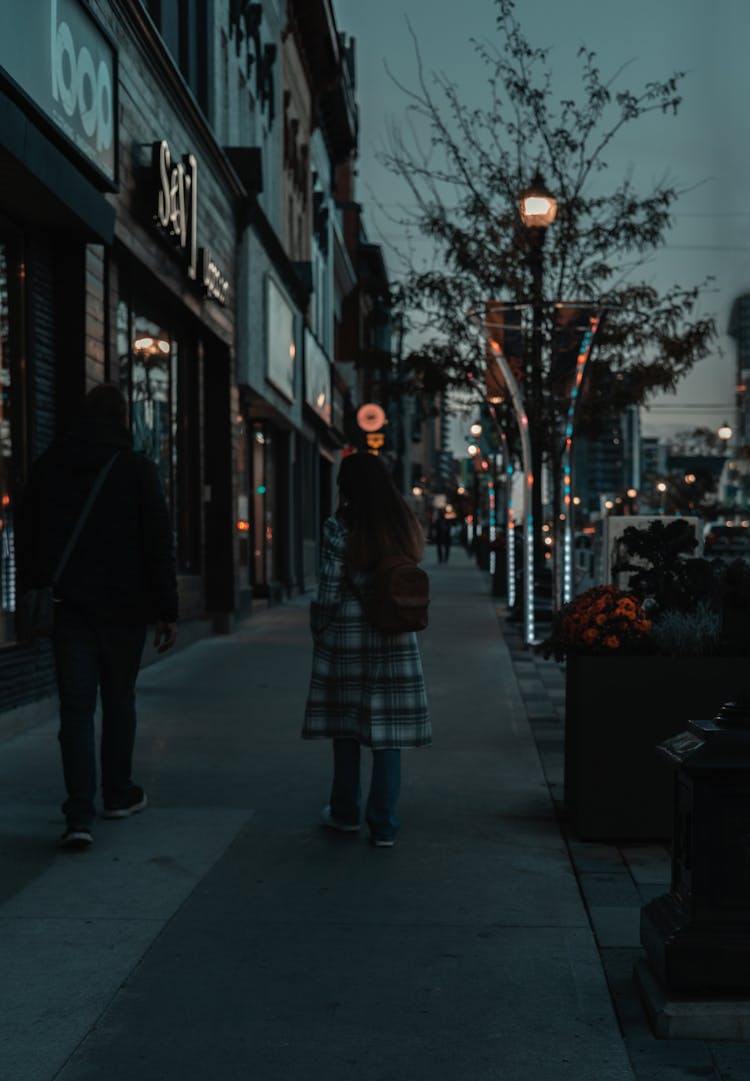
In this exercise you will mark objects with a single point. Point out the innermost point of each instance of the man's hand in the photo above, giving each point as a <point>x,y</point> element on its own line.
<point>165,635</point>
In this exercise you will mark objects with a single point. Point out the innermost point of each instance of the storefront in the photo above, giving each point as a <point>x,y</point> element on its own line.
<point>118,214</point>
<point>171,305</point>
<point>270,373</point>
<point>58,161</point>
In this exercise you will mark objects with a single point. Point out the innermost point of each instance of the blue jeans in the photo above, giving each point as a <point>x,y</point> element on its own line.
<point>380,811</point>
<point>88,656</point>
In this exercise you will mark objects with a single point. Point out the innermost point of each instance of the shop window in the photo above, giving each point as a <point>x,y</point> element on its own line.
<point>263,519</point>
<point>159,378</point>
<point>242,519</point>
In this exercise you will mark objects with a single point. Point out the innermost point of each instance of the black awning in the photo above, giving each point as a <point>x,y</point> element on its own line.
<point>40,185</point>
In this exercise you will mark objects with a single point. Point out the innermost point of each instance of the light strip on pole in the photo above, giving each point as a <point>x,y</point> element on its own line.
<point>583,355</point>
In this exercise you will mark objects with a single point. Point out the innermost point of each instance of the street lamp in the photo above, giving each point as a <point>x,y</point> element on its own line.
<point>537,208</point>
<point>475,429</point>
<point>661,487</point>
<point>725,432</point>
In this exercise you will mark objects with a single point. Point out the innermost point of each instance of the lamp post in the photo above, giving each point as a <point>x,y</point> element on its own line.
<point>538,209</point>
<point>661,488</point>
<point>725,433</point>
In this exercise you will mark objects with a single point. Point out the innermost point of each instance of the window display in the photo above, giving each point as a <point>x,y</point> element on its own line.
<point>160,386</point>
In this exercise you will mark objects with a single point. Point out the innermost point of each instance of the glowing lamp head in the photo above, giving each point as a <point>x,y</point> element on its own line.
<point>725,432</point>
<point>475,429</point>
<point>632,493</point>
<point>472,450</point>
<point>537,206</point>
<point>661,486</point>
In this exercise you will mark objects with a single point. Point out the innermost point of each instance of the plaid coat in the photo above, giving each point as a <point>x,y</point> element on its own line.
<point>365,685</point>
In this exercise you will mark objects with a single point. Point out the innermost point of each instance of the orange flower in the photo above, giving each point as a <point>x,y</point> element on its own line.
<point>612,642</point>
<point>590,635</point>
<point>600,620</point>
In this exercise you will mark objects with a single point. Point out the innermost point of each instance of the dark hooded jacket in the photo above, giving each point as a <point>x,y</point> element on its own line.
<point>122,569</point>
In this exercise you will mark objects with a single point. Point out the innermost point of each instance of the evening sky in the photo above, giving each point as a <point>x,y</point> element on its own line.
<point>704,148</point>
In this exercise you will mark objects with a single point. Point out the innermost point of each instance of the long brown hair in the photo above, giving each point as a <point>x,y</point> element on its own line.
<point>379,521</point>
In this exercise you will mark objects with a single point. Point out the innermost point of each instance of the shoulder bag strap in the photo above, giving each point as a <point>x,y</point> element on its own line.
<point>101,475</point>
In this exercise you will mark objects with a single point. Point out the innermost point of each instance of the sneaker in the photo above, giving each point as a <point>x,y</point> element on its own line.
<point>382,842</point>
<point>135,802</point>
<point>76,838</point>
<point>327,819</point>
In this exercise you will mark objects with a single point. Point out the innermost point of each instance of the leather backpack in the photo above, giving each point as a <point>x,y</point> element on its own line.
<point>400,596</point>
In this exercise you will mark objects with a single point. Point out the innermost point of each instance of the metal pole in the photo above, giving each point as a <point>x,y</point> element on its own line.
<point>528,511</point>
<point>567,457</point>
<point>536,386</point>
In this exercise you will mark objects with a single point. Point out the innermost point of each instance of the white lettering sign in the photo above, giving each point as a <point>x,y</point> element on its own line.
<point>215,284</point>
<point>177,200</point>
<point>82,88</point>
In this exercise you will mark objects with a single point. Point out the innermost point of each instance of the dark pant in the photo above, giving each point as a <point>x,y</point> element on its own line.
<point>443,550</point>
<point>89,656</point>
<point>385,786</point>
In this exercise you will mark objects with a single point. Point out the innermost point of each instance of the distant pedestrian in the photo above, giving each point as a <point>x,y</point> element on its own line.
<point>443,537</point>
<point>119,576</point>
<point>367,687</point>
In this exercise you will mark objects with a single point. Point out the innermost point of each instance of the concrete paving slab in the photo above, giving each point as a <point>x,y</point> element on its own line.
<point>71,936</point>
<point>592,856</point>
<point>616,926</point>
<point>334,1002</point>
<point>609,889</point>
<point>647,891</point>
<point>648,863</point>
<point>138,868</point>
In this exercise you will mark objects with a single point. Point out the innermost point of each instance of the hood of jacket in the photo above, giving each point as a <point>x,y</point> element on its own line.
<point>90,443</point>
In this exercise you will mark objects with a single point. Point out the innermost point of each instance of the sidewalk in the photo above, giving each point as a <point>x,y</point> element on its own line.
<point>615,880</point>
<point>222,935</point>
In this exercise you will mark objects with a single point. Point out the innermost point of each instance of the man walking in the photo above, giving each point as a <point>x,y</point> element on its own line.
<point>443,537</point>
<point>119,577</point>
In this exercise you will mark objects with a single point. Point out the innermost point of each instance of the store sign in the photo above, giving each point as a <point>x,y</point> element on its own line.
<point>371,417</point>
<point>55,51</point>
<point>177,201</point>
<point>176,215</point>
<point>215,285</point>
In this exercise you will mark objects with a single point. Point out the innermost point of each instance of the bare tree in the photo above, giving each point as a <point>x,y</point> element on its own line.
<point>465,168</point>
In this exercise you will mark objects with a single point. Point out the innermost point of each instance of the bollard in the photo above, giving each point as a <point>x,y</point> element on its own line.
<point>697,937</point>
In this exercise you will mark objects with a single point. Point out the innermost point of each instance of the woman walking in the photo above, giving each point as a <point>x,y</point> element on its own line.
<point>367,687</point>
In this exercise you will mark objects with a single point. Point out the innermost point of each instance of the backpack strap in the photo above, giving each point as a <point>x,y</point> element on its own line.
<point>73,539</point>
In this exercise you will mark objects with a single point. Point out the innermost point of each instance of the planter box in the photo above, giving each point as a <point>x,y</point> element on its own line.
<point>617,709</point>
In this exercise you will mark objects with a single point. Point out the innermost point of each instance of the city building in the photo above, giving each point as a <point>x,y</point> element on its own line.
<point>739,329</point>
<point>185,227</point>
